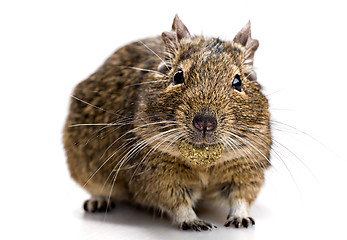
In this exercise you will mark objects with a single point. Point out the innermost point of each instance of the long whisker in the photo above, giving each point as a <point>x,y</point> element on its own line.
<point>248,153</point>
<point>121,148</point>
<point>97,107</point>
<point>138,147</point>
<point>142,83</point>
<point>278,156</point>
<point>119,123</point>
<point>155,54</point>
<point>135,129</point>
<point>277,143</point>
<point>145,70</point>
<point>301,132</point>
<point>153,149</point>
<point>249,143</point>
<point>234,143</point>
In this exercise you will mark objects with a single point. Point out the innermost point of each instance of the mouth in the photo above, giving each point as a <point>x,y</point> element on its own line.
<point>200,155</point>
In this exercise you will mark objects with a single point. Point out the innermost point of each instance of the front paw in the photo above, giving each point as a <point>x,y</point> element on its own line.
<point>197,225</point>
<point>239,222</point>
<point>98,204</point>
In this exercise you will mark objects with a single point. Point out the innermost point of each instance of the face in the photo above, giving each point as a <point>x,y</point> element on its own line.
<point>208,99</point>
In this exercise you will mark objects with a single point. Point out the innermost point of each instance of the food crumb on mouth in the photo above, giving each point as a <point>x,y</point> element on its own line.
<point>200,156</point>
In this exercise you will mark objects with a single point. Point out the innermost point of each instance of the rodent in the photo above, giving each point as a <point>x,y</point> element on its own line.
<point>168,121</point>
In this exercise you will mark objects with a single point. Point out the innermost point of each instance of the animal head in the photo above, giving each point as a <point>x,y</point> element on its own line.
<point>207,93</point>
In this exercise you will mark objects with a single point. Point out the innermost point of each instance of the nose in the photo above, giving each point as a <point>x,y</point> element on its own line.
<point>205,123</point>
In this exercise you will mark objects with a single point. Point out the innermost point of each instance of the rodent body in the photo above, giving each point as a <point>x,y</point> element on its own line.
<point>126,120</point>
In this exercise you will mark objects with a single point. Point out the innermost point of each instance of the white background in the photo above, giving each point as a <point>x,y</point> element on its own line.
<point>47,47</point>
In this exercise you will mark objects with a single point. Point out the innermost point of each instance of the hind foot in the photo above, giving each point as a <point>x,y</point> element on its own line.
<point>98,204</point>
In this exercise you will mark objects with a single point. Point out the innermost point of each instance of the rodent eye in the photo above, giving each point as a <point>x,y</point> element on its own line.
<point>237,83</point>
<point>178,77</point>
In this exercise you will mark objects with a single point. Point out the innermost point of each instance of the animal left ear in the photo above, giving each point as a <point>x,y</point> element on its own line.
<point>244,38</point>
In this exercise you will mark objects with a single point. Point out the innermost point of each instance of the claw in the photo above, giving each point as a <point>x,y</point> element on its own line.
<point>98,205</point>
<point>238,222</point>
<point>197,225</point>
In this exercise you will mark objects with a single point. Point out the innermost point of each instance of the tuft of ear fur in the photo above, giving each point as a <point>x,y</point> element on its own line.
<point>244,38</point>
<point>171,39</point>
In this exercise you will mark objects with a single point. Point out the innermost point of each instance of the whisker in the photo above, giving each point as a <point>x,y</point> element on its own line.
<point>247,153</point>
<point>138,147</point>
<point>243,155</point>
<point>121,148</point>
<point>279,144</point>
<point>145,70</point>
<point>249,143</point>
<point>97,107</point>
<point>93,124</point>
<point>278,156</point>
<point>155,54</point>
<point>119,123</point>
<point>153,149</point>
<point>142,83</point>
<point>177,136</point>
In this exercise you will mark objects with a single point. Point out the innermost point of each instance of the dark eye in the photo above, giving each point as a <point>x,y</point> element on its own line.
<point>178,77</point>
<point>237,83</point>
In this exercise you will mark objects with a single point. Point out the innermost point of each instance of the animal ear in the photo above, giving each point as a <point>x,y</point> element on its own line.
<point>180,29</point>
<point>171,41</point>
<point>178,32</point>
<point>251,45</point>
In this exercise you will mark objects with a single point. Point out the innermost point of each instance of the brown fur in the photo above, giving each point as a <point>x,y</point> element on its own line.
<point>134,156</point>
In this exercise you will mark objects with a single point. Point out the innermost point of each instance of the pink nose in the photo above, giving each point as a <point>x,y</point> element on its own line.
<point>205,123</point>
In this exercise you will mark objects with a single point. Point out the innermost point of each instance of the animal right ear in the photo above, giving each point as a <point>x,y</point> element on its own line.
<point>171,40</point>
<point>178,32</point>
